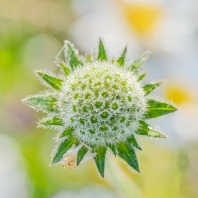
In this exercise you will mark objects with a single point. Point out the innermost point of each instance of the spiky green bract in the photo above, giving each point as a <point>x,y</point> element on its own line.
<point>67,132</point>
<point>100,159</point>
<point>65,68</point>
<point>127,153</point>
<point>50,79</point>
<point>97,105</point>
<point>139,62</point>
<point>121,59</point>
<point>148,88</point>
<point>101,52</point>
<point>81,153</point>
<point>145,129</point>
<point>72,55</point>
<point>134,142</point>
<point>141,76</point>
<point>64,146</point>
<point>113,148</point>
<point>45,103</point>
<point>52,121</point>
<point>156,109</point>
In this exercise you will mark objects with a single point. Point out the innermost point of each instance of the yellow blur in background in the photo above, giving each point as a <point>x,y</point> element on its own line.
<point>32,34</point>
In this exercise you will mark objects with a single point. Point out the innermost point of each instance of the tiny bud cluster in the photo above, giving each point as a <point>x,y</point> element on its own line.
<point>102,102</point>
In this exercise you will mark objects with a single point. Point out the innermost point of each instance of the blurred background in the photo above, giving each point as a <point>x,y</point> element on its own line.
<point>32,34</point>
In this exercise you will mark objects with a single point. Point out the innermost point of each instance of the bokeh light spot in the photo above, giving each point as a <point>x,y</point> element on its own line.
<point>142,17</point>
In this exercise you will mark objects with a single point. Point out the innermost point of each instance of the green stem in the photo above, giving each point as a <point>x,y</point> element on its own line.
<point>122,182</point>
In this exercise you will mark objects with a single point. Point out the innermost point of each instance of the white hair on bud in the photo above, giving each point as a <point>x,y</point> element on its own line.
<point>103,102</point>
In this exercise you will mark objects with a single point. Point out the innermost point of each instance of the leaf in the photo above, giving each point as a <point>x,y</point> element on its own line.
<point>62,149</point>
<point>150,87</point>
<point>121,59</point>
<point>65,68</point>
<point>81,153</point>
<point>100,159</point>
<point>145,129</point>
<point>156,109</point>
<point>127,153</point>
<point>45,103</point>
<point>101,52</point>
<point>139,62</point>
<point>54,82</point>
<point>73,56</point>
<point>141,77</point>
<point>54,121</point>
<point>134,142</point>
<point>112,147</point>
<point>67,131</point>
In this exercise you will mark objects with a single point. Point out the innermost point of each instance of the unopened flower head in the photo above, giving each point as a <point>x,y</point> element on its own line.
<point>103,103</point>
<point>97,104</point>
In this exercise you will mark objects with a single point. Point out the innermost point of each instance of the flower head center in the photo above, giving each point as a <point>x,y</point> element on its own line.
<point>103,102</point>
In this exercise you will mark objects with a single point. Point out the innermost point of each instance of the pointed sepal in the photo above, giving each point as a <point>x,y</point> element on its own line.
<point>113,148</point>
<point>121,59</point>
<point>64,146</point>
<point>101,52</point>
<point>145,129</point>
<point>100,159</point>
<point>134,142</point>
<point>156,109</point>
<point>65,68</point>
<point>50,79</point>
<point>45,103</point>
<point>81,153</point>
<point>148,88</point>
<point>139,62</point>
<point>73,56</point>
<point>67,132</point>
<point>50,122</point>
<point>141,76</point>
<point>127,153</point>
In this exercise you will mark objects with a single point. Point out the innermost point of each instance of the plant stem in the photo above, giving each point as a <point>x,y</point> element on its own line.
<point>122,182</point>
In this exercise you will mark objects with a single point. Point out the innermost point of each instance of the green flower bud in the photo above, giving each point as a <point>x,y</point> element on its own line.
<point>97,104</point>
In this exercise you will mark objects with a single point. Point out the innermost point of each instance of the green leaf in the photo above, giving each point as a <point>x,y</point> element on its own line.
<point>67,131</point>
<point>127,153</point>
<point>121,59</point>
<point>134,142</point>
<point>65,68</point>
<point>156,109</point>
<point>139,62</point>
<point>54,121</point>
<point>101,52</point>
<point>81,153</point>
<point>145,129</point>
<point>54,82</point>
<point>150,87</point>
<point>62,149</point>
<point>141,77</point>
<point>100,159</point>
<point>45,103</point>
<point>73,55</point>
<point>113,148</point>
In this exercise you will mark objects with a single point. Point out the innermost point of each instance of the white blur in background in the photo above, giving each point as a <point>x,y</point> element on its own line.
<point>14,181</point>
